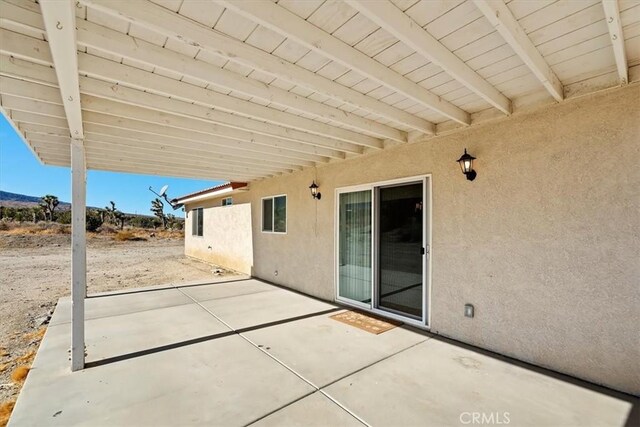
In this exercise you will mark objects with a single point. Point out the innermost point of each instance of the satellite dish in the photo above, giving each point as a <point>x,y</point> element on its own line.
<point>163,194</point>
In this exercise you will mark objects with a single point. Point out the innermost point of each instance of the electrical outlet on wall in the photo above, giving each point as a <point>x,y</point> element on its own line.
<point>468,310</point>
<point>275,273</point>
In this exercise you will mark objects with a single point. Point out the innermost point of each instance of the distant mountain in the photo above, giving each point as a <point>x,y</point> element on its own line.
<point>15,200</point>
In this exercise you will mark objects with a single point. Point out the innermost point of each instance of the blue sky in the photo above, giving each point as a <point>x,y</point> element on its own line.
<point>21,172</point>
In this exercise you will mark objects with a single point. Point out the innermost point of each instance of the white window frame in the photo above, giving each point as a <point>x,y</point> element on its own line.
<point>224,203</point>
<point>194,218</point>
<point>273,216</point>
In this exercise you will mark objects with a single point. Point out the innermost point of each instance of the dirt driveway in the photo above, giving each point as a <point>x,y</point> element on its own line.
<point>35,272</point>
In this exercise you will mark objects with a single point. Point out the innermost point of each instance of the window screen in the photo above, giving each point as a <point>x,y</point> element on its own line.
<point>267,215</point>
<point>280,214</point>
<point>197,222</point>
<point>274,214</point>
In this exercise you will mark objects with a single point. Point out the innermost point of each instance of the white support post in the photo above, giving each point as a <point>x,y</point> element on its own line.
<point>78,252</point>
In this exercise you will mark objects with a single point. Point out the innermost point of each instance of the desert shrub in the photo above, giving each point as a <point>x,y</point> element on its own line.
<point>22,215</point>
<point>4,225</point>
<point>60,229</point>
<point>107,229</point>
<point>126,235</point>
<point>169,234</point>
<point>51,229</point>
<point>94,221</point>
<point>37,229</point>
<point>64,217</point>
<point>142,222</point>
<point>5,412</point>
<point>20,373</point>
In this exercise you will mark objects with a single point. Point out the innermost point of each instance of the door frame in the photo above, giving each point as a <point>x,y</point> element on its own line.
<point>427,199</point>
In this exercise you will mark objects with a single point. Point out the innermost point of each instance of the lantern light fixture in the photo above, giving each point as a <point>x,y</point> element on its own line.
<point>466,164</point>
<point>314,191</point>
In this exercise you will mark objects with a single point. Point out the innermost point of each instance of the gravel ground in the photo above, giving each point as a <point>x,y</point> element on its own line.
<point>35,272</point>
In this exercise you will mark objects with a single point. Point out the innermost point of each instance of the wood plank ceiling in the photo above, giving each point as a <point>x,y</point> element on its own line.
<point>233,90</point>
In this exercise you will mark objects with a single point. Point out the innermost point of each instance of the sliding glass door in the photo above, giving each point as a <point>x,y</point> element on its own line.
<point>400,249</point>
<point>354,246</point>
<point>382,247</point>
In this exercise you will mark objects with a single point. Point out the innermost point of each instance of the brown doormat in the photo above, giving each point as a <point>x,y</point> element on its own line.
<point>366,322</point>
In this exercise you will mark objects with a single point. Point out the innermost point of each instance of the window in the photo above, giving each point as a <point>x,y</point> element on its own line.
<point>227,201</point>
<point>196,222</point>
<point>274,214</point>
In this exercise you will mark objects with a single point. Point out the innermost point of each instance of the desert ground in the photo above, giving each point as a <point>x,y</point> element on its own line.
<point>35,273</point>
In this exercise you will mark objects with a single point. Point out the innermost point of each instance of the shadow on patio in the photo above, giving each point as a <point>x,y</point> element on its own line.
<point>242,351</point>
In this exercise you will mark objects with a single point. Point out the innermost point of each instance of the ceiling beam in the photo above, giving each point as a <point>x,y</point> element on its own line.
<point>612,15</point>
<point>144,131</point>
<point>219,145</point>
<point>180,156</point>
<point>99,97</point>
<point>135,162</point>
<point>401,26</point>
<point>282,21</point>
<point>34,118</point>
<point>116,43</point>
<point>15,128</point>
<point>163,21</point>
<point>203,151</point>
<point>25,46</point>
<point>158,130</point>
<point>21,69</point>
<point>211,159</point>
<point>506,24</point>
<point>60,23</point>
<point>126,158</point>
<point>190,148</point>
<point>96,164</point>
<point>46,145</point>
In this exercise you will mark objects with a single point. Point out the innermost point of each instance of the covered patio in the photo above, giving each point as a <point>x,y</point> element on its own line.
<point>279,94</point>
<point>244,352</point>
<point>250,90</point>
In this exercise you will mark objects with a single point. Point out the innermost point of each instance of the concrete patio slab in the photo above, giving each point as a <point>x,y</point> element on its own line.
<point>265,307</point>
<point>286,363</point>
<point>312,411</point>
<point>225,289</point>
<point>224,381</point>
<point>437,383</point>
<point>123,336</point>
<point>324,350</point>
<point>121,303</point>
<point>148,329</point>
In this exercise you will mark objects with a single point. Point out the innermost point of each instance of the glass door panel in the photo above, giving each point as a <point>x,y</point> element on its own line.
<point>354,246</point>
<point>400,251</point>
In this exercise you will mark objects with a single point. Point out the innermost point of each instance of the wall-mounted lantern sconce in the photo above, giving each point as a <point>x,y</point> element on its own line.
<point>314,191</point>
<point>466,164</point>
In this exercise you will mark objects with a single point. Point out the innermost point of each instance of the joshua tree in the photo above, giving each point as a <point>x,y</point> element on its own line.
<point>49,203</point>
<point>172,221</point>
<point>37,213</point>
<point>157,207</point>
<point>115,216</point>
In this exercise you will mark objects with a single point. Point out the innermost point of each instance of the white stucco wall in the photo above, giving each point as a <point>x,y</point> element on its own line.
<point>545,243</point>
<point>226,239</point>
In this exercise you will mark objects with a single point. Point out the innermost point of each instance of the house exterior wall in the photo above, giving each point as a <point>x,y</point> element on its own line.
<point>545,243</point>
<point>226,238</point>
